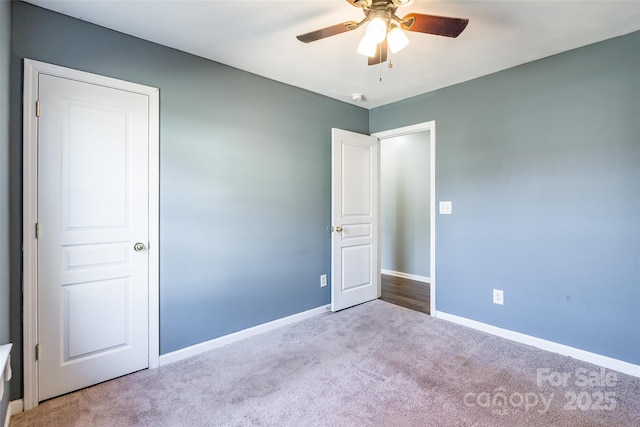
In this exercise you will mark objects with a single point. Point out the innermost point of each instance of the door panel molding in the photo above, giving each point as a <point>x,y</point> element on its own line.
<point>32,70</point>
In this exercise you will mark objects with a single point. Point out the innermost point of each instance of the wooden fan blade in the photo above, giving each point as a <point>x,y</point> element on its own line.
<point>431,24</point>
<point>381,54</point>
<point>327,32</point>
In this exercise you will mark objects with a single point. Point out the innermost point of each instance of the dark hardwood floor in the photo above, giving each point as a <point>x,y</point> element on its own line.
<point>406,293</point>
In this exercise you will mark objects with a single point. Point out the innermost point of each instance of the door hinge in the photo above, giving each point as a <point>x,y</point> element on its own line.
<point>37,351</point>
<point>37,230</point>
<point>38,108</point>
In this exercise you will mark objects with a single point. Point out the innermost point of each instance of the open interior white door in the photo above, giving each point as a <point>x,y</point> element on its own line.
<point>354,216</point>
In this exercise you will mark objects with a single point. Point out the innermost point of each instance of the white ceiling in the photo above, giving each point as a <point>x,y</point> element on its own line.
<point>259,36</point>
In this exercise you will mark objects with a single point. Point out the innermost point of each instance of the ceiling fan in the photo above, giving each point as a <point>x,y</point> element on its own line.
<point>385,27</point>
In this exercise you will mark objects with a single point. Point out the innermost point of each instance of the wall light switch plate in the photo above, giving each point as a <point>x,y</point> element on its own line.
<point>445,208</point>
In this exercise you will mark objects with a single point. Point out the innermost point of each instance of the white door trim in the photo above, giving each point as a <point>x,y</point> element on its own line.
<point>421,127</point>
<point>30,212</point>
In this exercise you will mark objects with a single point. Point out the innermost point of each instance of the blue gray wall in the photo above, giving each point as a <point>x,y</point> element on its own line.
<point>245,178</point>
<point>541,162</point>
<point>404,204</point>
<point>5,49</point>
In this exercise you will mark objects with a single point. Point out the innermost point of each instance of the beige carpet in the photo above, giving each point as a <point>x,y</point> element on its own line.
<point>376,364</point>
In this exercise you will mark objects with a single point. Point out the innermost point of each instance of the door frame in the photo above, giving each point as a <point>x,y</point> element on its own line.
<point>32,70</point>
<point>406,130</point>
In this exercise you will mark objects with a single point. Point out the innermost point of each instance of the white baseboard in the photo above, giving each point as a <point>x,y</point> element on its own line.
<point>196,349</point>
<point>417,278</point>
<point>565,350</point>
<point>15,407</point>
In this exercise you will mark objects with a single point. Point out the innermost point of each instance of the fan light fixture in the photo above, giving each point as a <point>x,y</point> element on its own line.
<point>377,32</point>
<point>397,39</point>
<point>386,30</point>
<point>367,47</point>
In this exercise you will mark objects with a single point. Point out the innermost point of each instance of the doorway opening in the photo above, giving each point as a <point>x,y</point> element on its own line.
<point>407,216</point>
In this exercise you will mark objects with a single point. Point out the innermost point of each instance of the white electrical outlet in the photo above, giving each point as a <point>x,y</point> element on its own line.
<point>323,280</point>
<point>498,296</point>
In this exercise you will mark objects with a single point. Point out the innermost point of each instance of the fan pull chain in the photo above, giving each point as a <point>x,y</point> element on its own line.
<point>390,66</point>
<point>380,63</point>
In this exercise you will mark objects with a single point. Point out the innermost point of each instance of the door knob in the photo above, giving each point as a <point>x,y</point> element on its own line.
<point>338,229</point>
<point>138,247</point>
